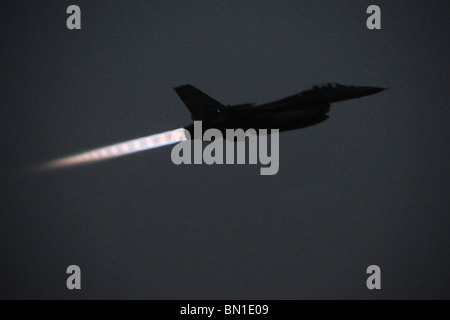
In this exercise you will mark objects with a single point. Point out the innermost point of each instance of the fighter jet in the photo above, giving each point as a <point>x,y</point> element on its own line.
<point>301,110</point>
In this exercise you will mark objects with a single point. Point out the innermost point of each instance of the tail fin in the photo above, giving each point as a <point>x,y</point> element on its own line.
<point>199,104</point>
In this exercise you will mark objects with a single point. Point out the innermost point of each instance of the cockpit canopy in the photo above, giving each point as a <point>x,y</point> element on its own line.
<point>327,85</point>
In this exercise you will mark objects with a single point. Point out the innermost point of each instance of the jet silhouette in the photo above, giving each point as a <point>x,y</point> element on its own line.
<point>301,110</point>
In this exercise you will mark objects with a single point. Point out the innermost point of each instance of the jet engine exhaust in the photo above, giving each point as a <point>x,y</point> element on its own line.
<point>118,149</point>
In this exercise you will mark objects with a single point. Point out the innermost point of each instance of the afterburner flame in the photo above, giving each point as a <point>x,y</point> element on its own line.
<point>118,149</point>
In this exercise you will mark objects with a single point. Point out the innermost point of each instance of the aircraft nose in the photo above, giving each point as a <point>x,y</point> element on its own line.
<point>372,90</point>
<point>377,89</point>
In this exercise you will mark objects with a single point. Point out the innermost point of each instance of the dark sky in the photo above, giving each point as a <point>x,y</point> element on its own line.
<point>368,186</point>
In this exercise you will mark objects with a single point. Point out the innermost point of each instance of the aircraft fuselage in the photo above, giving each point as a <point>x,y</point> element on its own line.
<point>301,110</point>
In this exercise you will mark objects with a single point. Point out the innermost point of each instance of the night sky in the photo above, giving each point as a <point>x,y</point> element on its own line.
<point>368,186</point>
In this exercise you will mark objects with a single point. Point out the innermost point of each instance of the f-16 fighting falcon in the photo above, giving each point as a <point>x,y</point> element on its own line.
<point>301,110</point>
